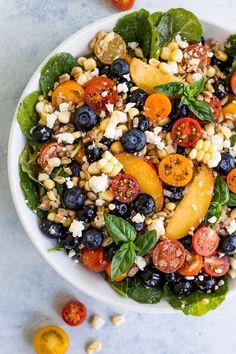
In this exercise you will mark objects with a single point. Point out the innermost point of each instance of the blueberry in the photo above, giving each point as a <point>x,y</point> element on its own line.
<point>175,193</point>
<point>92,238</point>
<point>202,40</point>
<point>93,153</point>
<point>75,168</point>
<point>186,242</point>
<point>144,204</point>
<point>87,214</point>
<point>139,226</point>
<point>152,277</point>
<point>226,164</point>
<point>143,123</point>
<point>173,278</point>
<point>206,283</point>
<point>121,209</point>
<point>184,287</point>
<point>138,97</point>
<point>74,198</point>
<point>221,89</point>
<point>181,150</point>
<point>106,141</point>
<point>51,229</point>
<point>222,65</point>
<point>178,112</point>
<point>69,241</point>
<point>105,71</point>
<point>133,140</point>
<point>228,245</point>
<point>85,118</point>
<point>119,67</point>
<point>41,134</point>
<point>110,251</point>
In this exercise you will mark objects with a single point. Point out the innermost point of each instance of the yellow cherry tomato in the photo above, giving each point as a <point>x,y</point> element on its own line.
<point>51,340</point>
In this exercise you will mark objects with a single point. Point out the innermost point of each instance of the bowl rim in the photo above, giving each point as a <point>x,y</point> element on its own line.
<point>142,308</point>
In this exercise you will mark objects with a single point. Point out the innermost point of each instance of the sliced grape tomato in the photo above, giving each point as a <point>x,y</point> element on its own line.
<point>125,188</point>
<point>186,131</point>
<point>205,241</point>
<point>168,256</point>
<point>216,265</point>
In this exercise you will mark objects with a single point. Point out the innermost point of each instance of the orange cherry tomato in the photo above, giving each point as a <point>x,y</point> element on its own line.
<point>215,104</point>
<point>118,279</point>
<point>216,265</point>
<point>233,82</point>
<point>192,266</point>
<point>123,5</point>
<point>68,91</point>
<point>48,151</point>
<point>95,260</point>
<point>168,256</point>
<point>74,313</point>
<point>100,91</point>
<point>231,180</point>
<point>197,55</point>
<point>51,340</point>
<point>205,241</point>
<point>186,131</point>
<point>157,106</point>
<point>176,170</point>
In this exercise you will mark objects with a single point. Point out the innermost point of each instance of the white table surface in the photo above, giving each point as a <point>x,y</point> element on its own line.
<point>31,293</point>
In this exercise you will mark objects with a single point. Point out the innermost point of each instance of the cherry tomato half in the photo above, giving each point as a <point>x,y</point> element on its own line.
<point>186,131</point>
<point>231,180</point>
<point>192,265</point>
<point>95,260</point>
<point>74,313</point>
<point>123,5</point>
<point>197,55</point>
<point>125,188</point>
<point>176,170</point>
<point>48,151</point>
<point>205,241</point>
<point>100,91</point>
<point>68,91</point>
<point>118,279</point>
<point>51,340</point>
<point>233,82</point>
<point>215,104</point>
<point>168,256</point>
<point>216,265</point>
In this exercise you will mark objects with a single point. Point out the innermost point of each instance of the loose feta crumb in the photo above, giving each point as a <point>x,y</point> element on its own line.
<point>64,107</point>
<point>96,322</point>
<point>153,138</point>
<point>138,218</point>
<point>201,277</point>
<point>212,220</point>
<point>95,72</point>
<point>110,107</point>
<point>231,228</point>
<point>221,282</point>
<point>158,225</point>
<point>182,43</point>
<point>76,228</point>
<point>140,262</point>
<point>65,138</point>
<point>127,77</point>
<point>128,106</point>
<point>94,347</point>
<point>196,76</point>
<point>122,87</point>
<point>69,183</point>
<point>51,119</point>
<point>71,253</point>
<point>133,45</point>
<point>112,131</point>
<point>118,320</point>
<point>99,183</point>
<point>189,278</point>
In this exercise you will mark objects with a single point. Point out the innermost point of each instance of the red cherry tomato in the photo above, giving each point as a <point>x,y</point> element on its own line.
<point>47,151</point>
<point>233,82</point>
<point>100,91</point>
<point>215,104</point>
<point>192,265</point>
<point>95,260</point>
<point>186,131</point>
<point>74,313</point>
<point>205,241</point>
<point>197,55</point>
<point>125,188</point>
<point>169,256</point>
<point>216,265</point>
<point>123,4</point>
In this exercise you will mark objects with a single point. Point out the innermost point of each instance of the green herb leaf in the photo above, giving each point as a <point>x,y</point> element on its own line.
<point>233,140</point>
<point>143,28</point>
<point>28,161</point>
<point>232,200</point>
<point>171,89</point>
<point>59,171</point>
<point>214,210</point>
<point>155,49</point>
<point>230,46</point>
<point>27,116</point>
<point>57,65</point>
<point>42,214</point>
<point>119,229</point>
<point>146,242</point>
<point>123,260</point>
<point>30,190</point>
<point>197,303</point>
<point>126,27</point>
<point>221,191</point>
<point>197,87</point>
<point>56,249</point>
<point>201,109</point>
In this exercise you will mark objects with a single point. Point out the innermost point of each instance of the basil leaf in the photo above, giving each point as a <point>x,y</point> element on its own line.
<point>197,303</point>
<point>27,116</point>
<point>201,109</point>
<point>232,200</point>
<point>119,229</point>
<point>57,65</point>
<point>122,260</point>
<point>221,191</point>
<point>197,87</point>
<point>230,46</point>
<point>171,89</point>
<point>30,190</point>
<point>146,242</point>
<point>214,210</point>
<point>28,161</point>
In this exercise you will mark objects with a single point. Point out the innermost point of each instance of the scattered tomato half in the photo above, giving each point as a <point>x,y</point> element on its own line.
<point>192,265</point>
<point>68,91</point>
<point>215,104</point>
<point>233,82</point>
<point>157,106</point>
<point>47,151</point>
<point>168,256</point>
<point>100,91</point>
<point>125,188</point>
<point>205,241</point>
<point>186,131</point>
<point>74,313</point>
<point>216,265</point>
<point>95,260</point>
<point>118,279</point>
<point>123,5</point>
<point>51,340</point>
<point>197,52</point>
<point>176,170</point>
<point>231,180</point>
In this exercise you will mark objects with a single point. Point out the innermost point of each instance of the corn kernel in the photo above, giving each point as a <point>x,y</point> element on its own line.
<point>174,66</point>
<point>51,196</point>
<point>226,132</point>
<point>216,155</point>
<point>212,148</point>
<point>64,117</point>
<point>200,155</point>
<point>233,213</point>
<point>176,55</point>
<point>54,162</point>
<point>206,158</point>
<point>116,170</point>
<point>93,169</point>
<point>96,322</point>
<point>82,80</point>
<point>133,112</point>
<point>206,145</point>
<point>154,62</point>
<point>165,53</point>
<point>90,64</point>
<point>43,177</point>
<point>49,183</point>
<point>193,154</point>
<point>107,195</point>
<point>173,46</point>
<point>219,54</point>
<point>209,128</point>
<point>170,149</point>
<point>107,168</point>
<point>138,52</point>
<point>116,147</point>
<point>170,206</point>
<point>51,216</point>
<point>81,60</point>
<point>211,71</point>
<point>94,347</point>
<point>190,79</point>
<point>118,320</point>
<point>212,163</point>
<point>199,145</point>
<point>165,68</point>
<point>39,107</point>
<point>101,163</point>
<point>104,124</point>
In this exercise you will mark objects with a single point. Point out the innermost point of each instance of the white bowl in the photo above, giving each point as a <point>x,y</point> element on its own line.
<point>90,283</point>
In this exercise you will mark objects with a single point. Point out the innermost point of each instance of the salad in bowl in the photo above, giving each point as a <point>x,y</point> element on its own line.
<point>130,162</point>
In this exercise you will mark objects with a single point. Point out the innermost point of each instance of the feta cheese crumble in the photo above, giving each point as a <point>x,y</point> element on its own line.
<point>64,107</point>
<point>158,225</point>
<point>140,262</point>
<point>99,183</point>
<point>76,228</point>
<point>231,228</point>
<point>154,138</point>
<point>65,138</point>
<point>51,119</point>
<point>138,218</point>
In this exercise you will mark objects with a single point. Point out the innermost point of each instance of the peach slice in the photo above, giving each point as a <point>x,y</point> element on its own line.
<point>193,207</point>
<point>148,76</point>
<point>145,174</point>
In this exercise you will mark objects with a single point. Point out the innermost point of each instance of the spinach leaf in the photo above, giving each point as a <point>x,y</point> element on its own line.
<point>42,214</point>
<point>179,21</point>
<point>232,200</point>
<point>28,161</point>
<point>221,191</point>
<point>197,303</point>
<point>201,109</point>
<point>143,28</point>
<point>57,65</point>
<point>230,46</point>
<point>171,89</point>
<point>27,116</point>
<point>155,49</point>
<point>119,229</point>
<point>123,260</point>
<point>146,242</point>
<point>126,27</point>
<point>30,190</point>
